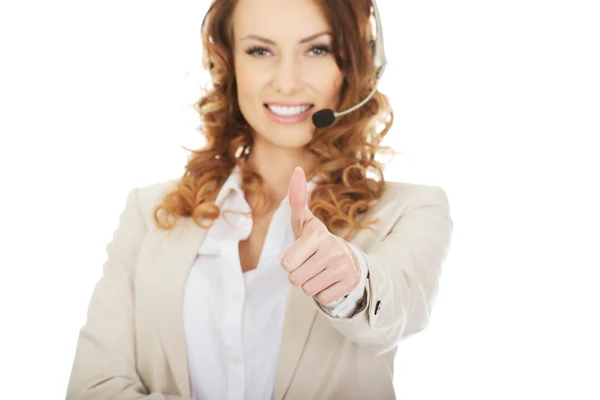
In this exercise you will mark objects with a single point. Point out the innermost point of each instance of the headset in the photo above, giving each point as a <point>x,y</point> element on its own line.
<point>324,118</point>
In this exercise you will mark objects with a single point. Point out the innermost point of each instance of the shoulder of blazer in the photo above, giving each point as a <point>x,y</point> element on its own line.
<point>397,199</point>
<point>401,197</point>
<point>150,196</point>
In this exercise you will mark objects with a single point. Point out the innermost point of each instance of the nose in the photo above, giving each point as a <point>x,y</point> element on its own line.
<point>286,76</point>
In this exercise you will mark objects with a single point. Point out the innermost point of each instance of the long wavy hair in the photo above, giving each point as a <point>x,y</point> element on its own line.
<point>349,178</point>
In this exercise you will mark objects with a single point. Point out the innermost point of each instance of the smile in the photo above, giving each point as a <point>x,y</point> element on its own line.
<point>288,114</point>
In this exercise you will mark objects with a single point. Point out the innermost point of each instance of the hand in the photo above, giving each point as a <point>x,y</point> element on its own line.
<point>321,263</point>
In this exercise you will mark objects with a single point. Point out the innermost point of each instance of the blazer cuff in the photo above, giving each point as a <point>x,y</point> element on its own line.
<point>348,305</point>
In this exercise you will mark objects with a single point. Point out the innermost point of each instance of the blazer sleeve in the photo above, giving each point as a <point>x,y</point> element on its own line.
<point>105,361</point>
<point>404,271</point>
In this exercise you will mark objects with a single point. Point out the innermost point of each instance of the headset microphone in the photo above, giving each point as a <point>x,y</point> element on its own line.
<point>324,118</point>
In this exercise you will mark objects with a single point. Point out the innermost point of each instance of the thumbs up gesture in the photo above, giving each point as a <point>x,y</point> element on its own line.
<point>321,263</point>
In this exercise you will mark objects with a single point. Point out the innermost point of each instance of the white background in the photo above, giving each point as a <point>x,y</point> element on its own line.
<point>497,102</point>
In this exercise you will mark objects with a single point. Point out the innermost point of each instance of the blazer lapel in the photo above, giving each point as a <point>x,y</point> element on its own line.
<point>301,311</point>
<point>176,253</point>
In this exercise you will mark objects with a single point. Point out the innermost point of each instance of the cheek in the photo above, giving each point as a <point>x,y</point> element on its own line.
<point>248,89</point>
<point>244,80</point>
<point>248,75</point>
<point>334,86</point>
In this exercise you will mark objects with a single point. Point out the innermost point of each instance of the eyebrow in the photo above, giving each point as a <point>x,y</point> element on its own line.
<point>306,39</point>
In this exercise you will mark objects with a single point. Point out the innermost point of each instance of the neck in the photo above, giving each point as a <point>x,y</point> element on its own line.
<point>276,166</point>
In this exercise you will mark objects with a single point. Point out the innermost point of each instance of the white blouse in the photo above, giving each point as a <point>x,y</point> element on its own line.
<point>233,321</point>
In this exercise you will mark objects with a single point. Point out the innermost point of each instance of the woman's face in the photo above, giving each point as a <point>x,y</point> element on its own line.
<point>284,68</point>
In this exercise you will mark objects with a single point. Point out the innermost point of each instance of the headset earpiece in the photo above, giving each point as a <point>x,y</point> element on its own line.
<point>379,59</point>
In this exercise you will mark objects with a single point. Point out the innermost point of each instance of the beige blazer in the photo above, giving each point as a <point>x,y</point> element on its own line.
<point>132,345</point>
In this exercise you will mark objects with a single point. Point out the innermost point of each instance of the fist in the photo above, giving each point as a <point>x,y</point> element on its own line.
<point>321,263</point>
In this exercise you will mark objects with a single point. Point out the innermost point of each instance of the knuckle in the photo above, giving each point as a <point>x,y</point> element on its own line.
<point>294,279</point>
<point>307,289</point>
<point>323,299</point>
<point>287,262</point>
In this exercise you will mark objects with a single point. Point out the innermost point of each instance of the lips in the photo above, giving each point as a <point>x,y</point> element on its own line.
<point>288,113</point>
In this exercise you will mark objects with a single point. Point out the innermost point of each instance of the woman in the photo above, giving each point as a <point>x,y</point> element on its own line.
<point>275,267</point>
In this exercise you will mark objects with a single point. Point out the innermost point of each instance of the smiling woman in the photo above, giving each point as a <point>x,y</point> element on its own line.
<point>276,266</point>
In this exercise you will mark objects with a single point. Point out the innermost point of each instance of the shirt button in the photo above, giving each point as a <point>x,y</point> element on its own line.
<point>235,358</point>
<point>237,297</point>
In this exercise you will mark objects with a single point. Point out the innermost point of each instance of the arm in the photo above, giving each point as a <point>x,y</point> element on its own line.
<point>105,360</point>
<point>403,278</point>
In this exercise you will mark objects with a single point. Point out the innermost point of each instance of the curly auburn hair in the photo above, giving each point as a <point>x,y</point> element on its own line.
<point>346,150</point>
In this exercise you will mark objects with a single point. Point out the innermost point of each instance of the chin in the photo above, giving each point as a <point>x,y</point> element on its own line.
<point>288,138</point>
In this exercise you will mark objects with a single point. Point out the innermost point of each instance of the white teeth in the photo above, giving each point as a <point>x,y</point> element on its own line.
<point>288,111</point>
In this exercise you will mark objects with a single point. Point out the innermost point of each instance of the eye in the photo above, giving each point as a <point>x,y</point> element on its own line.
<point>320,50</point>
<point>257,51</point>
